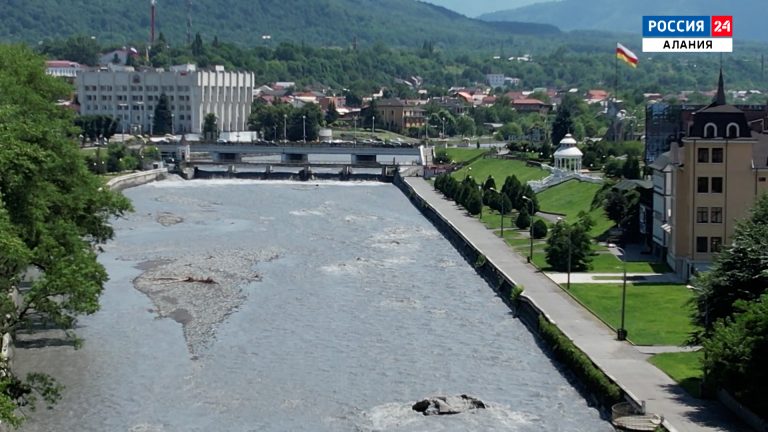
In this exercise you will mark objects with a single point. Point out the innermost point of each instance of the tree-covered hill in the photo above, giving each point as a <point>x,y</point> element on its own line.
<point>403,23</point>
<point>626,16</point>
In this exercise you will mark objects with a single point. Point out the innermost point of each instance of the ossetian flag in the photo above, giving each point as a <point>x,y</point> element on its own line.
<point>623,53</point>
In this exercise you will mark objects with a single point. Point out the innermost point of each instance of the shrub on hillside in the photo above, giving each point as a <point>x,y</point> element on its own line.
<point>539,229</point>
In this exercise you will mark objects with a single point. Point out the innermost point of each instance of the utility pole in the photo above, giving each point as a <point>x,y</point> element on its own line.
<point>189,22</point>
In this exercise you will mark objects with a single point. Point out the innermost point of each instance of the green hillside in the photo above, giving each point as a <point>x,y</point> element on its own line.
<point>404,23</point>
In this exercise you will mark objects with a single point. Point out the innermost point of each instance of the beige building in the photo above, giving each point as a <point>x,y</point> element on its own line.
<point>706,183</point>
<point>131,96</point>
<point>399,116</point>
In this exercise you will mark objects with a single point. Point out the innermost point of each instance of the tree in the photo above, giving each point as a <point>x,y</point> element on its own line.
<point>441,157</point>
<point>53,214</point>
<point>528,192</point>
<point>474,202</point>
<point>465,126</point>
<point>162,123</point>
<point>631,168</point>
<point>557,249</point>
<point>523,220</point>
<point>490,183</point>
<point>735,354</point>
<point>512,189</point>
<point>737,273</point>
<point>198,49</point>
<point>331,115</point>
<point>562,125</point>
<point>96,127</point>
<point>539,229</point>
<point>210,127</point>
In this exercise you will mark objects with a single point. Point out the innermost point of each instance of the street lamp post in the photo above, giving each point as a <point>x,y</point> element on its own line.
<point>466,174</point>
<point>373,125</point>
<point>530,203</point>
<point>570,246</point>
<point>442,120</point>
<point>354,130</point>
<point>501,200</point>
<point>151,124</point>
<point>621,333</point>
<point>173,124</point>
<point>285,127</point>
<point>304,126</point>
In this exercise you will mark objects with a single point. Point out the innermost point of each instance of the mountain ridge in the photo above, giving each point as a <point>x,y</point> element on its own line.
<point>623,16</point>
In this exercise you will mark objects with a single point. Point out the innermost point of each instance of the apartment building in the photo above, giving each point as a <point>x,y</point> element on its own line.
<point>707,183</point>
<point>131,96</point>
<point>398,115</point>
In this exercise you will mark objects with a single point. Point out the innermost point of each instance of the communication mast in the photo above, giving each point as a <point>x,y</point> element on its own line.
<point>189,22</point>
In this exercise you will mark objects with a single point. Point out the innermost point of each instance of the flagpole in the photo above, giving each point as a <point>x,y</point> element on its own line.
<point>616,95</point>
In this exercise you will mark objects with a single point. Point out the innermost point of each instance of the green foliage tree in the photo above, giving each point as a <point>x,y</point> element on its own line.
<point>513,190</point>
<point>441,157</point>
<point>631,168</point>
<point>53,213</point>
<point>474,202</point>
<point>81,49</point>
<point>163,119</point>
<point>528,192</point>
<point>562,125</point>
<point>490,183</point>
<point>614,168</point>
<point>210,127</point>
<point>523,220</point>
<point>737,273</point>
<point>566,239</point>
<point>539,229</point>
<point>96,128</point>
<point>736,353</point>
<point>331,114</point>
<point>465,126</point>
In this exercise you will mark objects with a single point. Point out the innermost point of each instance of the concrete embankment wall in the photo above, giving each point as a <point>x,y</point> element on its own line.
<point>137,179</point>
<point>523,307</point>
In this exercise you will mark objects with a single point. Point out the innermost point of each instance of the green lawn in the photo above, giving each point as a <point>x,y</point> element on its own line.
<point>610,263</point>
<point>572,197</point>
<point>460,155</point>
<point>500,169</point>
<point>655,314</point>
<point>685,368</point>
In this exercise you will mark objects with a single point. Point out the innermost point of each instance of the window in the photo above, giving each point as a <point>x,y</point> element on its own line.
<point>717,155</point>
<point>702,213</point>
<point>732,130</point>
<point>704,155</point>
<point>761,179</point>
<point>716,243</point>
<point>703,184</point>
<point>710,130</point>
<point>717,185</point>
<point>717,215</point>
<point>701,245</point>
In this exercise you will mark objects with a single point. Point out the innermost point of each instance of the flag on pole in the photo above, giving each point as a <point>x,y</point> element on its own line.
<point>623,53</point>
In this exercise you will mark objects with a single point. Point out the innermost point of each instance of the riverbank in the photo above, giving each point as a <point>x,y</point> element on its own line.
<point>641,382</point>
<point>137,179</point>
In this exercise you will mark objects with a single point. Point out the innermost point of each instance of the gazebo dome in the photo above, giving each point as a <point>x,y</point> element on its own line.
<point>568,156</point>
<point>569,152</point>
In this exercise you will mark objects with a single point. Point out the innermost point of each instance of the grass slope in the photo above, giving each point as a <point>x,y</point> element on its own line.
<point>572,197</point>
<point>460,155</point>
<point>500,169</point>
<point>655,314</point>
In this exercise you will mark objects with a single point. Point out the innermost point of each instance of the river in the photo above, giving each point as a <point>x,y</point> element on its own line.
<point>282,306</point>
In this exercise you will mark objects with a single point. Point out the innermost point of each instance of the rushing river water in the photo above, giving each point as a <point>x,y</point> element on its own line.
<point>335,307</point>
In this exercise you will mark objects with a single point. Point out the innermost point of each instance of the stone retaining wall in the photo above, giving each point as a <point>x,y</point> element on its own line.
<point>137,179</point>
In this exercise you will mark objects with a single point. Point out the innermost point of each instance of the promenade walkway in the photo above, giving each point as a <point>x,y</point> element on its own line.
<point>620,360</point>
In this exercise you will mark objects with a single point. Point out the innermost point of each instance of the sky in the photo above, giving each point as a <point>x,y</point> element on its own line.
<point>473,8</point>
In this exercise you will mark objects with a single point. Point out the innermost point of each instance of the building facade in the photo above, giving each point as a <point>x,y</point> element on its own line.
<point>63,68</point>
<point>131,96</point>
<point>714,175</point>
<point>399,116</point>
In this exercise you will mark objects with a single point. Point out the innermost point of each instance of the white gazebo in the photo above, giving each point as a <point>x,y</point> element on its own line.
<point>568,156</point>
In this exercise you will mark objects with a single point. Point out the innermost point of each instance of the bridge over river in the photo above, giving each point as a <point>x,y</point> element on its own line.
<point>298,152</point>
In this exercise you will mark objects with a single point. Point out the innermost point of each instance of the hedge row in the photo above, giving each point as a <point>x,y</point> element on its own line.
<point>566,352</point>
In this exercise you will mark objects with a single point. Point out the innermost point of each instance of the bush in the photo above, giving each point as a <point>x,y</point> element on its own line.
<point>441,158</point>
<point>539,229</point>
<point>480,261</point>
<point>523,220</point>
<point>516,292</point>
<point>566,352</point>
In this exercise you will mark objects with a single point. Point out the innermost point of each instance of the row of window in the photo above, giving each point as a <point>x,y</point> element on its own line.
<point>126,107</point>
<point>709,215</point>
<point>709,185</point>
<point>137,88</point>
<point>704,155</point>
<point>709,244</point>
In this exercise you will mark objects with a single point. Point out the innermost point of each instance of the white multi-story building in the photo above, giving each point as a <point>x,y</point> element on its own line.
<point>131,96</point>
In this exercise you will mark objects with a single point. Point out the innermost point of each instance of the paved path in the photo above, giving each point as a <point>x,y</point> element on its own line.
<point>659,349</point>
<point>620,360</point>
<point>612,278</point>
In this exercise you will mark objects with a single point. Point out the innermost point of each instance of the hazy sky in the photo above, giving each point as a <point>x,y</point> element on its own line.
<point>473,8</point>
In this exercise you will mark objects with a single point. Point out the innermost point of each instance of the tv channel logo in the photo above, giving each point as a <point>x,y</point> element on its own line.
<point>688,33</point>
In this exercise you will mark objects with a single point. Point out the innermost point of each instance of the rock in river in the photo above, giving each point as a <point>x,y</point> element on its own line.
<point>446,405</point>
